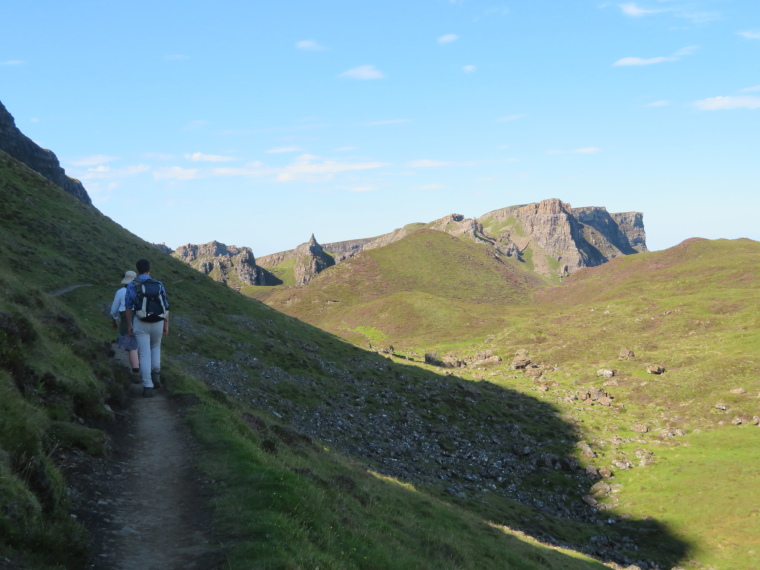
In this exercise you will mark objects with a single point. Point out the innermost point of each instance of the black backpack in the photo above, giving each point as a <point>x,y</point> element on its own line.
<point>150,302</point>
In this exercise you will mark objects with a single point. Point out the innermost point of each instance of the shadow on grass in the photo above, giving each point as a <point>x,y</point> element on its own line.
<point>496,452</point>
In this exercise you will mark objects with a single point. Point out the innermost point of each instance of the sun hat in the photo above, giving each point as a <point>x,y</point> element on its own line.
<point>129,276</point>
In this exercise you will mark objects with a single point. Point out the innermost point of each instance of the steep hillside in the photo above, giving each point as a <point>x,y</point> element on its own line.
<point>321,454</point>
<point>426,287</point>
<point>41,160</point>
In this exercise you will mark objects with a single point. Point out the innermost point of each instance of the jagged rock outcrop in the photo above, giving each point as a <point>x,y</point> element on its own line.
<point>310,260</point>
<point>550,236</point>
<point>41,160</point>
<point>233,265</point>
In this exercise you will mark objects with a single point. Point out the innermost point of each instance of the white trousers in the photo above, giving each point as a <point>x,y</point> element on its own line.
<point>149,337</point>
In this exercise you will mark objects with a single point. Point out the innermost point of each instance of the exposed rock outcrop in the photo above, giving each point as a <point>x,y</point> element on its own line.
<point>233,265</point>
<point>550,236</point>
<point>41,160</point>
<point>311,260</point>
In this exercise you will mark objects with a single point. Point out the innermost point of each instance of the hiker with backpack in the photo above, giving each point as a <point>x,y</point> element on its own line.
<point>147,312</point>
<point>119,320</point>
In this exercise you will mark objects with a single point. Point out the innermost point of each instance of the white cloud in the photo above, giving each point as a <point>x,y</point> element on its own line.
<point>307,168</point>
<point>510,118</point>
<point>750,34</point>
<point>468,68</point>
<point>588,150</point>
<point>629,61</point>
<point>310,45</point>
<point>103,172</point>
<point>632,10</point>
<point>363,72</point>
<point>424,163</point>
<point>386,122</point>
<point>196,124</point>
<point>283,149</point>
<point>13,62</point>
<point>700,17</point>
<point>176,173</point>
<point>750,89</point>
<point>448,38</point>
<point>641,61</point>
<point>159,156</point>
<point>93,160</point>
<point>200,157</point>
<point>661,103</point>
<point>729,102</point>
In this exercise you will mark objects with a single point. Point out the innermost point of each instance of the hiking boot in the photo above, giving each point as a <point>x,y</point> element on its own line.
<point>148,392</point>
<point>156,377</point>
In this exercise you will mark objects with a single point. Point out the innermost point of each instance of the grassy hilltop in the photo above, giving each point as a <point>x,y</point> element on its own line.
<point>253,378</point>
<point>681,444</point>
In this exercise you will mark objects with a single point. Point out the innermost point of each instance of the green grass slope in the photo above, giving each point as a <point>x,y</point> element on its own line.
<point>688,434</point>
<point>425,287</point>
<point>300,483</point>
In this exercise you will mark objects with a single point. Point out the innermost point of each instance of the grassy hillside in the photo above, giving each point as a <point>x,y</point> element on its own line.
<point>679,445</point>
<point>426,287</point>
<point>322,454</point>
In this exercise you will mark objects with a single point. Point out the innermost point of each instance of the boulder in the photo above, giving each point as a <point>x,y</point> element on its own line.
<point>520,362</point>
<point>626,354</point>
<point>655,369</point>
<point>738,391</point>
<point>640,428</point>
<point>605,373</point>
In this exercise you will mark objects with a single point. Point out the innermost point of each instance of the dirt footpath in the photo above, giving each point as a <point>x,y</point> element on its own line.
<point>146,505</point>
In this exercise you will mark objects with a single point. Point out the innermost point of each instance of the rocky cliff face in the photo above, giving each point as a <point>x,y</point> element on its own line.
<point>44,161</point>
<point>311,260</point>
<point>233,265</point>
<point>550,236</point>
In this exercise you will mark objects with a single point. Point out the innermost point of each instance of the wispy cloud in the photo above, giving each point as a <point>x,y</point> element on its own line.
<point>634,61</point>
<point>306,168</point>
<point>283,149</point>
<point>468,68</point>
<point>309,45</point>
<point>176,173</point>
<point>196,125</point>
<point>363,72</point>
<point>750,34</point>
<point>386,122</point>
<point>13,62</point>
<point>448,38</point>
<point>585,150</point>
<point>360,188</point>
<point>425,163</point>
<point>509,118</point>
<point>200,157</point>
<point>345,148</point>
<point>103,172</point>
<point>634,11</point>
<point>728,102</point>
<point>93,160</point>
<point>750,89</point>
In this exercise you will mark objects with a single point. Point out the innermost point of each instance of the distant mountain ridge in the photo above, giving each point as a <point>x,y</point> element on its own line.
<point>41,160</point>
<point>551,237</point>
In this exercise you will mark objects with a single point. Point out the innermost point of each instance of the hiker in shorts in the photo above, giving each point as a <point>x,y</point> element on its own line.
<point>147,312</point>
<point>119,319</point>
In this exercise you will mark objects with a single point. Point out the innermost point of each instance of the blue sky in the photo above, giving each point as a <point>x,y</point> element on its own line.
<point>259,123</point>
